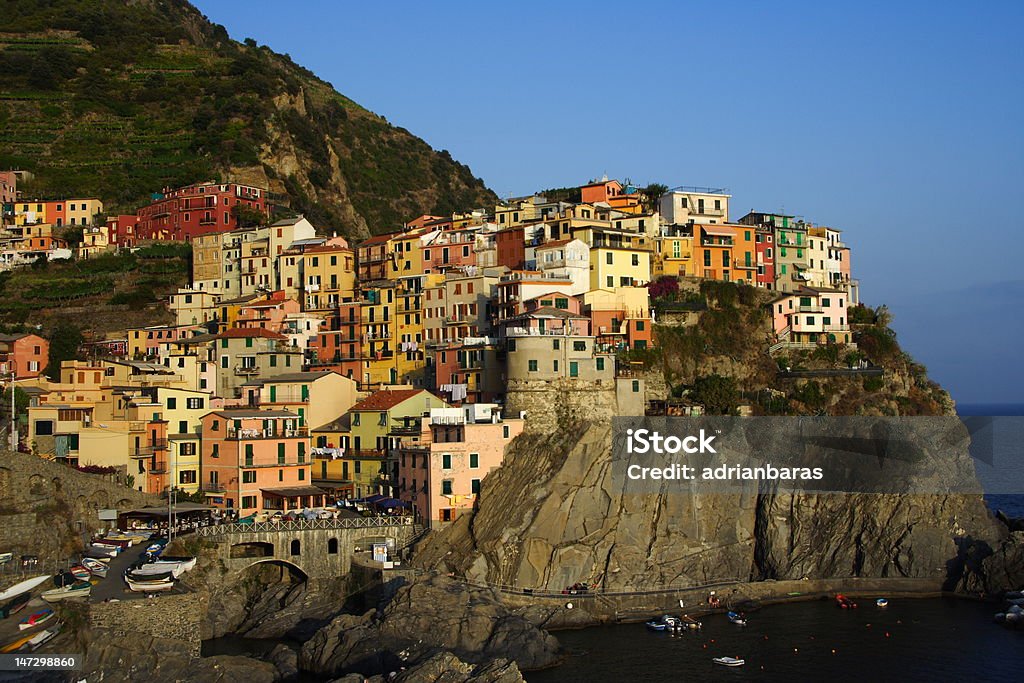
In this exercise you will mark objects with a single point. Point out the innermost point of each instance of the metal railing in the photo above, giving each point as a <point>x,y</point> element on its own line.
<point>307,525</point>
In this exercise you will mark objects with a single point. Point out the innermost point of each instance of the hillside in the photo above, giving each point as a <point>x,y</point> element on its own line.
<point>117,100</point>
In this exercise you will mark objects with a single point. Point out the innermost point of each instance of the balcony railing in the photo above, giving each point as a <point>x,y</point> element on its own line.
<point>246,370</point>
<point>147,450</point>
<point>248,434</point>
<point>211,487</point>
<point>159,467</point>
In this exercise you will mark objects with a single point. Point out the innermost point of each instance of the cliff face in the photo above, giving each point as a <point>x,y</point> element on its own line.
<point>552,516</point>
<point>92,113</point>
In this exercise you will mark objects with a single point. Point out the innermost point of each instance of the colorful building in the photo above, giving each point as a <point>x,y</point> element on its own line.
<point>811,316</point>
<point>23,355</point>
<point>183,213</point>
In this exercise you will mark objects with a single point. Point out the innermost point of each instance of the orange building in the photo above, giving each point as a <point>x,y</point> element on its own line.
<point>255,460</point>
<point>23,354</point>
<point>725,252</point>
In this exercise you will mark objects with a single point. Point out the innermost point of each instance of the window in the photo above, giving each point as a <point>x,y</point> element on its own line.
<point>531,365</point>
<point>172,403</point>
<point>332,546</point>
<point>610,281</point>
<point>355,419</point>
<point>556,344</point>
<point>382,420</point>
<point>187,449</point>
<point>280,454</point>
<point>579,346</point>
<point>194,403</point>
<point>296,547</point>
<point>187,477</point>
<point>446,461</point>
<point>562,303</point>
<point>636,259</point>
<point>636,386</point>
<point>609,258</point>
<point>826,302</point>
<point>215,453</point>
<point>44,427</point>
<point>810,320</point>
<point>248,502</point>
<point>248,476</point>
<point>554,366</point>
<point>302,452</point>
<point>215,426</point>
<point>707,258</point>
<point>475,486</point>
<point>248,454</point>
<point>446,487</point>
<point>505,431</point>
<point>302,474</point>
<point>639,325</point>
<point>826,320</point>
<point>600,364</point>
<point>474,460</point>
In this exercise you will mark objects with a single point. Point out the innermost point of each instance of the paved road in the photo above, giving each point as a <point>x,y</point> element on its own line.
<point>113,585</point>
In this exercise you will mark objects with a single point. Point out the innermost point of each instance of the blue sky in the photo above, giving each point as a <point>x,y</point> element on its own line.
<point>899,123</point>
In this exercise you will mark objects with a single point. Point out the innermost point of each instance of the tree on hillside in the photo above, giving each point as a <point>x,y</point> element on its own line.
<point>65,340</point>
<point>719,395</point>
<point>247,216</point>
<point>665,287</point>
<point>653,193</point>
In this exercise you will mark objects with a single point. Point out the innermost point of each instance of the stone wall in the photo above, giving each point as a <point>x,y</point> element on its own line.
<point>175,617</point>
<point>553,404</point>
<point>47,508</point>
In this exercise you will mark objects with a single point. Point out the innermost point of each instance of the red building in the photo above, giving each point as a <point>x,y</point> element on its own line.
<point>198,209</point>
<point>338,345</point>
<point>25,355</point>
<point>121,229</point>
<point>511,244</point>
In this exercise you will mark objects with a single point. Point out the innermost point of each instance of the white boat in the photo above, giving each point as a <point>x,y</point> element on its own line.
<point>175,569</point>
<point>728,661</point>
<point>189,563</point>
<point>736,618</point>
<point>23,587</point>
<point>149,586</point>
<point>104,549</point>
<point>75,590</point>
<point>882,602</point>
<point>95,567</point>
<point>42,638</point>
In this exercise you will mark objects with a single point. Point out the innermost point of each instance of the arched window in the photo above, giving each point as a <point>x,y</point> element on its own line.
<point>296,546</point>
<point>332,546</point>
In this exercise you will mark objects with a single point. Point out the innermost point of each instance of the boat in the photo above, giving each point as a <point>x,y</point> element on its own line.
<point>845,602</point>
<point>882,602</point>
<point>79,572</point>
<point>17,643</point>
<point>95,567</point>
<point>15,605</point>
<point>103,550</point>
<point>691,623</point>
<point>736,618</point>
<point>149,586</point>
<point>666,623</point>
<point>118,541</point>
<point>139,577</point>
<point>36,619</point>
<point>23,587</point>
<point>656,625</point>
<point>728,661</point>
<point>188,562</point>
<point>174,568</point>
<point>41,638</point>
<point>75,590</point>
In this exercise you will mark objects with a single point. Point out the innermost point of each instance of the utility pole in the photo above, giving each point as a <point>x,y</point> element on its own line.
<point>14,418</point>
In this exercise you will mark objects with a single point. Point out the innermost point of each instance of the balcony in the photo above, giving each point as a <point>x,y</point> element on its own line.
<point>213,487</point>
<point>147,450</point>
<point>536,332</point>
<point>247,370</point>
<point>159,467</point>
<point>252,434</point>
<point>312,288</point>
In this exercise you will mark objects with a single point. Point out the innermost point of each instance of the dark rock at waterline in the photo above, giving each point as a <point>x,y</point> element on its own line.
<point>286,660</point>
<point>428,615</point>
<point>444,667</point>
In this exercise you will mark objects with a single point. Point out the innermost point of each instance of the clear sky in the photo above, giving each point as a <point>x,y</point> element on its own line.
<point>901,123</point>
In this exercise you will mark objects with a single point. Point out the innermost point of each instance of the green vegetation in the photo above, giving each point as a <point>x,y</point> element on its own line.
<point>118,100</point>
<point>65,340</point>
<point>719,395</point>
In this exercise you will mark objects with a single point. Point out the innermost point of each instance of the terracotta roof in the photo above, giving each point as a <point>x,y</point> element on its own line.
<point>559,243</point>
<point>386,399</point>
<point>379,239</point>
<point>244,332</point>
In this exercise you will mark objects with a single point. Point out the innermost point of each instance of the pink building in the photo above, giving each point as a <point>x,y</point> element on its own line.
<point>268,313</point>
<point>24,355</point>
<point>440,476</point>
<point>253,460</point>
<point>811,316</point>
<point>452,249</point>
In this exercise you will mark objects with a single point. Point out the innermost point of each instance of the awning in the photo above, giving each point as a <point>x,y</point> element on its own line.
<point>718,232</point>
<point>294,491</point>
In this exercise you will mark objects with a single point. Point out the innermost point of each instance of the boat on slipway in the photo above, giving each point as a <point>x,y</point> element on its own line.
<point>728,661</point>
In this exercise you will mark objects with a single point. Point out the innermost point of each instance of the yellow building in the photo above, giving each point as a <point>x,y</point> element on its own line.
<point>95,241</point>
<point>410,360</point>
<point>673,256</point>
<point>328,276</point>
<point>612,267</point>
<point>377,315</point>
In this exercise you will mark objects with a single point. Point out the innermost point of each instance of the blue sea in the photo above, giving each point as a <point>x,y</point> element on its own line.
<point>1012,504</point>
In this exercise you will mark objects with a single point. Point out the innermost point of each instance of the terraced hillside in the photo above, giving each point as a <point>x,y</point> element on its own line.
<point>117,100</point>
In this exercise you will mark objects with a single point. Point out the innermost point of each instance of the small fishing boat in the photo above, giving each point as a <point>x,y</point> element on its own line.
<point>103,550</point>
<point>15,605</point>
<point>139,576</point>
<point>36,619</point>
<point>882,602</point>
<point>17,643</point>
<point>153,568</point>
<point>149,586</point>
<point>736,618</point>
<point>117,541</point>
<point>75,590</point>
<point>79,572</point>
<point>728,661</point>
<point>845,602</point>
<point>95,567</point>
<point>656,625</point>
<point>691,623</point>
<point>41,638</point>
<point>23,587</point>
<point>189,563</point>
